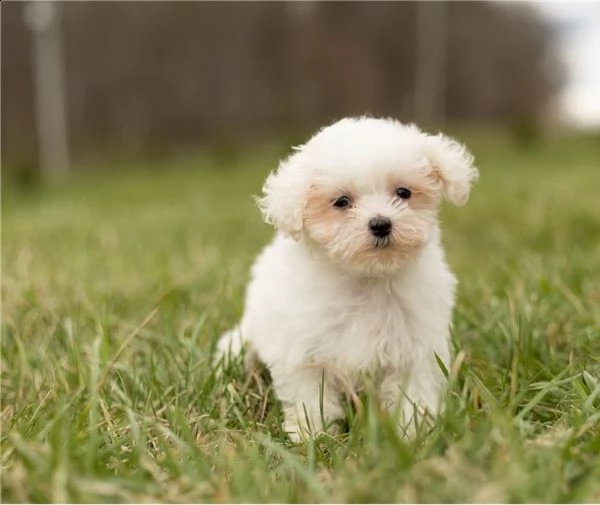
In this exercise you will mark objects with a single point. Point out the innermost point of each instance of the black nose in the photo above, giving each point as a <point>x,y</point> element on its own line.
<point>380,226</point>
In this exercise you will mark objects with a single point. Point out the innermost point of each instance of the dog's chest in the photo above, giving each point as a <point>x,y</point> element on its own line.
<point>367,329</point>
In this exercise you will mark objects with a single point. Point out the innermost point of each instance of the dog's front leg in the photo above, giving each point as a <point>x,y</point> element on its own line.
<point>413,395</point>
<point>311,401</point>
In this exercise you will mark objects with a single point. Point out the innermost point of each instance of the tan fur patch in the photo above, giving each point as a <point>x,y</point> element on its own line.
<point>426,191</point>
<point>321,219</point>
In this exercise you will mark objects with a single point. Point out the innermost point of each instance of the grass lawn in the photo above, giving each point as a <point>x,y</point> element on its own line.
<point>115,287</point>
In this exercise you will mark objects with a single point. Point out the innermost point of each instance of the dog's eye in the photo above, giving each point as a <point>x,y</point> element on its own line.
<point>404,193</point>
<point>341,202</point>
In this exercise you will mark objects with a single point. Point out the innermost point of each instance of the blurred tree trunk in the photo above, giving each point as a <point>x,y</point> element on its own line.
<point>431,60</point>
<point>45,22</point>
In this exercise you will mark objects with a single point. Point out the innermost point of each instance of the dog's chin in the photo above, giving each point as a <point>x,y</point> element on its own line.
<point>381,257</point>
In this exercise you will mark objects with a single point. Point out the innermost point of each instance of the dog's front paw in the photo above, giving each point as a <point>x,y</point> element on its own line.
<point>299,432</point>
<point>294,431</point>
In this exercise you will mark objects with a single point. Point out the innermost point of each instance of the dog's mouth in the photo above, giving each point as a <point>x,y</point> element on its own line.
<point>381,242</point>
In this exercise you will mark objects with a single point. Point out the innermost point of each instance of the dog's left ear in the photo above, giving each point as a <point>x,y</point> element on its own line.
<point>453,164</point>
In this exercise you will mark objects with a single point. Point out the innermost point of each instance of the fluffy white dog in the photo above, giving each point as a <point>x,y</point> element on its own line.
<point>355,285</point>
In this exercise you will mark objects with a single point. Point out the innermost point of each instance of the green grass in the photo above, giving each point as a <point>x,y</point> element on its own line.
<point>116,286</point>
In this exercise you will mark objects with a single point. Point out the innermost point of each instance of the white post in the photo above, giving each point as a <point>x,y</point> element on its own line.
<point>44,20</point>
<point>431,55</point>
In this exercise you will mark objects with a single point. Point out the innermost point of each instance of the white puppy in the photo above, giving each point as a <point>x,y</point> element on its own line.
<point>355,285</point>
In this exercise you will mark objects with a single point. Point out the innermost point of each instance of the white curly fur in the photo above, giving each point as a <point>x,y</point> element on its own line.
<point>330,305</point>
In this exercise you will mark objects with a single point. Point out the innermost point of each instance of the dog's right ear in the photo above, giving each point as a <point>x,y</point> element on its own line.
<point>284,195</point>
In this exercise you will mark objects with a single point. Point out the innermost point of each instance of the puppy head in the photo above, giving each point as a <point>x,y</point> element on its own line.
<point>366,191</point>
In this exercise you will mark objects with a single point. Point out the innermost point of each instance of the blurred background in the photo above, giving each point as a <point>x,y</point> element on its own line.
<point>102,81</point>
